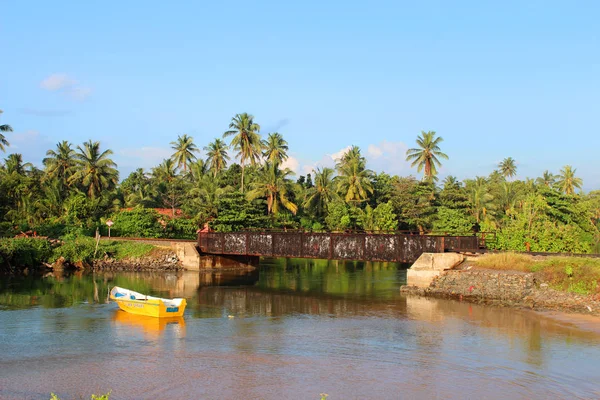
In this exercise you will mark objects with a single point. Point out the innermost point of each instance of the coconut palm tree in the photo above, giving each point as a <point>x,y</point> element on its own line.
<point>479,198</point>
<point>427,155</point>
<point>273,184</point>
<point>13,164</point>
<point>204,197</point>
<point>353,155</point>
<point>94,170</point>
<point>217,156</point>
<point>547,179</point>
<point>197,170</point>
<point>450,182</point>
<point>275,149</point>
<point>567,181</point>
<point>60,162</point>
<point>354,181</point>
<point>4,128</point>
<point>246,140</point>
<point>322,193</point>
<point>184,151</point>
<point>508,167</point>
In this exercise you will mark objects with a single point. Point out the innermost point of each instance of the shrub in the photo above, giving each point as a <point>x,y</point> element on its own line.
<point>138,222</point>
<point>181,228</point>
<point>80,249</point>
<point>24,252</point>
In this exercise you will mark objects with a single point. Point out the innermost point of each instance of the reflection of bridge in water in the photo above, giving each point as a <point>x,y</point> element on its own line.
<point>392,247</point>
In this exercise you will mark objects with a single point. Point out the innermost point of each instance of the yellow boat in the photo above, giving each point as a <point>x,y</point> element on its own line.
<point>141,304</point>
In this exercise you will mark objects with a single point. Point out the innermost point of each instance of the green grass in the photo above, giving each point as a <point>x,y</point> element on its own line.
<point>570,274</point>
<point>123,249</point>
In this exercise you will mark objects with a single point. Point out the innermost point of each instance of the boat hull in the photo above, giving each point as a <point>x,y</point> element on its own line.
<point>140,304</point>
<point>151,308</point>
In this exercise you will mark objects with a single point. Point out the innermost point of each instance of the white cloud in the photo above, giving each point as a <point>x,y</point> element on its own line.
<point>291,163</point>
<point>144,157</point>
<point>389,157</point>
<point>66,85</point>
<point>57,82</point>
<point>374,151</point>
<point>338,155</point>
<point>308,169</point>
<point>79,93</point>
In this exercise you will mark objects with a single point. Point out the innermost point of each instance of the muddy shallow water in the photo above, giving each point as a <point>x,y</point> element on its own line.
<point>290,330</point>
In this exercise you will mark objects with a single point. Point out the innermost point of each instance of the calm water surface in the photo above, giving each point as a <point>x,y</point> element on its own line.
<point>290,330</point>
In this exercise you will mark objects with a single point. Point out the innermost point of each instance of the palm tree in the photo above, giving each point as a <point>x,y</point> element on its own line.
<point>567,181</point>
<point>354,181</point>
<point>94,169</point>
<point>205,196</point>
<point>426,156</point>
<point>479,197</point>
<point>508,167</point>
<point>322,193</point>
<point>184,151</point>
<point>168,189</point>
<point>4,128</point>
<point>13,164</point>
<point>165,171</point>
<point>353,155</point>
<point>451,182</point>
<point>547,179</point>
<point>217,156</point>
<point>273,184</point>
<point>198,170</point>
<point>59,164</point>
<point>275,148</point>
<point>246,140</point>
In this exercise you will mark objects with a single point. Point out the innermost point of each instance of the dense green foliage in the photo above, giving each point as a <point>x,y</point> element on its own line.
<point>77,192</point>
<point>18,253</point>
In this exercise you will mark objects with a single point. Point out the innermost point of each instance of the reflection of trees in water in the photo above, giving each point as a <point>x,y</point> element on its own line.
<point>259,301</point>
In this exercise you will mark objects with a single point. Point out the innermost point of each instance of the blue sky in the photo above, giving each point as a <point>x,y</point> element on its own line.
<point>494,79</point>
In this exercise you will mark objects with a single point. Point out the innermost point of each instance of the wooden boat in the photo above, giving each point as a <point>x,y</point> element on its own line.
<point>141,304</point>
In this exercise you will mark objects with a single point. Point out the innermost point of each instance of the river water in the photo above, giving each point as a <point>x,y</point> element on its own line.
<point>290,330</point>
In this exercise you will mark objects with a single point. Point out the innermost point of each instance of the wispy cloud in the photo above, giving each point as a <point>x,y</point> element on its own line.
<point>144,157</point>
<point>291,163</point>
<point>66,85</point>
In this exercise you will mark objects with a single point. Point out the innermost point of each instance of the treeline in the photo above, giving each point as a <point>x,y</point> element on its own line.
<point>78,189</point>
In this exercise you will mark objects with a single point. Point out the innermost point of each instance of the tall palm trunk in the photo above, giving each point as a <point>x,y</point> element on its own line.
<point>243,168</point>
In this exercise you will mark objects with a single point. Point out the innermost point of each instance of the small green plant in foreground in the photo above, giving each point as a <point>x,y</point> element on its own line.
<point>93,397</point>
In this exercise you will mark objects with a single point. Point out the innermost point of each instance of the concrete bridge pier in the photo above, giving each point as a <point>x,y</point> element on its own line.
<point>194,260</point>
<point>214,261</point>
<point>430,265</point>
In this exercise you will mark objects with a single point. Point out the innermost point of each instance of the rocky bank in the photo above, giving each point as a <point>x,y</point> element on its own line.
<point>159,259</point>
<point>505,288</point>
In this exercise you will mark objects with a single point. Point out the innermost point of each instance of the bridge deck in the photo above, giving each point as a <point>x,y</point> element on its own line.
<point>396,247</point>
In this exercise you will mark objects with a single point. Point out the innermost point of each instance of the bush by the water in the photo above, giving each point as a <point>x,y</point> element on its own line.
<point>24,252</point>
<point>83,249</point>
<point>32,252</point>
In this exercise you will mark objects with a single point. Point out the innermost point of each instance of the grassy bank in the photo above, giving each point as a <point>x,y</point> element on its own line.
<point>19,253</point>
<point>570,274</point>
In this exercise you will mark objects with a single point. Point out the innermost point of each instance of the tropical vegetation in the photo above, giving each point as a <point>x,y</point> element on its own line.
<point>245,184</point>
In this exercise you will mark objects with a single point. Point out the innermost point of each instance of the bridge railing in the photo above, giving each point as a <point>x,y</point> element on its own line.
<point>396,247</point>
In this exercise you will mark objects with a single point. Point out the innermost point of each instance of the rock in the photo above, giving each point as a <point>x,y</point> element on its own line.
<point>59,264</point>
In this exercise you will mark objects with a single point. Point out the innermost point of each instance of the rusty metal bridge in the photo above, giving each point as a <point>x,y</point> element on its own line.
<point>403,247</point>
